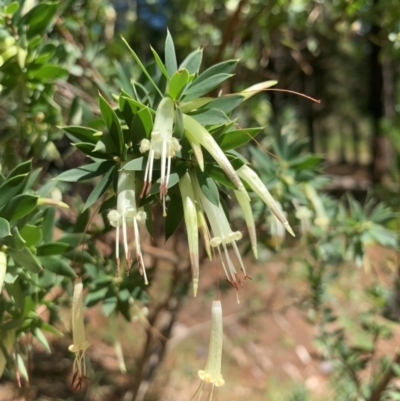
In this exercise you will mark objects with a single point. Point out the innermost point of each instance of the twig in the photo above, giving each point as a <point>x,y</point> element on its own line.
<point>386,378</point>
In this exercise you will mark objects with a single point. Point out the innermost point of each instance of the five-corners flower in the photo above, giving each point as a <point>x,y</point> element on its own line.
<point>222,235</point>
<point>212,372</point>
<point>127,214</point>
<point>161,145</point>
<point>80,344</point>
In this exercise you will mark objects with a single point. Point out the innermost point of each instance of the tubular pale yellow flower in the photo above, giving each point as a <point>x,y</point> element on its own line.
<point>80,344</point>
<point>248,217</point>
<point>304,214</point>
<point>3,268</point>
<point>276,229</point>
<point>212,372</point>
<point>198,153</point>
<point>127,214</point>
<point>321,218</point>
<point>8,340</point>
<point>195,132</point>
<point>255,183</point>
<point>222,235</point>
<point>190,214</point>
<point>161,145</point>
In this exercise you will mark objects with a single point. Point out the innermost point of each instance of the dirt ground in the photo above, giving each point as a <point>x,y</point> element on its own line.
<point>268,353</point>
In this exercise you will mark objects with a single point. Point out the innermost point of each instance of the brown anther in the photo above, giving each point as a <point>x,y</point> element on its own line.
<point>74,377</point>
<point>143,189</point>
<point>246,276</point>
<point>238,280</point>
<point>79,380</point>
<point>163,188</point>
<point>229,282</point>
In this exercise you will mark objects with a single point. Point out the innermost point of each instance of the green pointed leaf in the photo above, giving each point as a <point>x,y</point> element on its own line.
<point>226,67</point>
<point>193,61</point>
<point>127,109</point>
<point>49,72</point>
<point>84,134</point>
<point>160,64</point>
<point>49,328</point>
<point>225,103</point>
<point>57,265</point>
<point>22,368</point>
<point>26,259</point>
<point>32,235</point>
<point>174,215</point>
<point>86,172</point>
<point>11,187</point>
<point>4,228</point>
<point>12,8</point>
<point>39,18</point>
<point>139,164</point>
<point>218,175</point>
<point>21,169</point>
<point>94,297</point>
<point>18,207</point>
<point>210,117</point>
<point>48,224</point>
<point>208,187</point>
<point>141,126</point>
<point>234,139</point>
<point>17,242</point>
<point>32,179</point>
<point>112,123</point>
<point>170,56</point>
<point>178,83</point>
<point>109,305</point>
<point>142,67</point>
<point>52,248</point>
<point>100,188</point>
<point>198,89</point>
<point>42,339</point>
<point>89,149</point>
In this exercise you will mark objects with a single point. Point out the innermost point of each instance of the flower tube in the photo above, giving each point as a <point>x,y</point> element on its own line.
<point>196,133</point>
<point>127,214</point>
<point>212,372</point>
<point>255,183</point>
<point>161,145</point>
<point>80,344</point>
<point>190,214</point>
<point>222,235</point>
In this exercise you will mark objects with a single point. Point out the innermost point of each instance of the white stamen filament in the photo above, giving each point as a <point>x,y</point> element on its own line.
<point>128,214</point>
<point>162,145</point>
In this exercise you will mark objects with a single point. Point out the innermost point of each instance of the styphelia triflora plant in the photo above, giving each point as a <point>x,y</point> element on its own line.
<point>169,137</point>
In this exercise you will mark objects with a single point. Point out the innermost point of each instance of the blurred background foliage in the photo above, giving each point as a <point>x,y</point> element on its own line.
<point>333,166</point>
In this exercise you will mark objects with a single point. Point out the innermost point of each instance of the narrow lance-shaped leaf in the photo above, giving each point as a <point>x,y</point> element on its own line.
<point>257,88</point>
<point>170,56</point>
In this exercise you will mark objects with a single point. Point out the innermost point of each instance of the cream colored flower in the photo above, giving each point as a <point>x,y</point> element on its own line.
<point>127,214</point>
<point>212,372</point>
<point>161,145</point>
<point>80,344</point>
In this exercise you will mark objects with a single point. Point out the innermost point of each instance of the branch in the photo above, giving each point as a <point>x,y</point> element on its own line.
<point>387,377</point>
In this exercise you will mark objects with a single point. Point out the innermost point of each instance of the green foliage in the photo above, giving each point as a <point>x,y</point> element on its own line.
<point>170,110</point>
